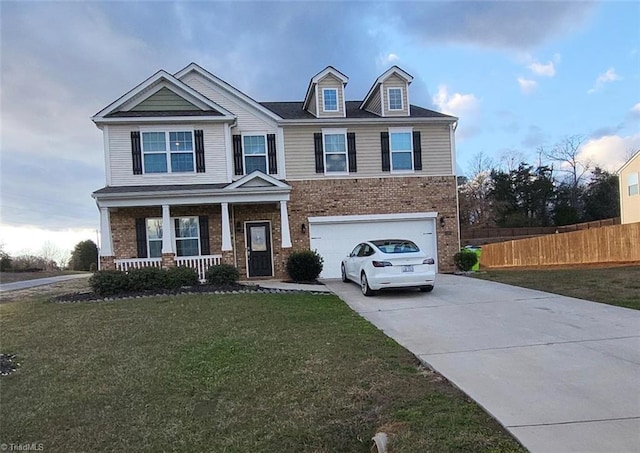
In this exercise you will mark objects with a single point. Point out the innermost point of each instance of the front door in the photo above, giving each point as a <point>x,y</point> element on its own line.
<point>259,249</point>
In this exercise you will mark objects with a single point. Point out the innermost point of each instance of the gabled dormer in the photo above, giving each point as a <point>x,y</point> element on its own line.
<point>389,95</point>
<point>162,98</point>
<point>325,95</point>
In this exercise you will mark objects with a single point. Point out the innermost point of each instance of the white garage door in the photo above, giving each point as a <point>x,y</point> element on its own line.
<point>334,237</point>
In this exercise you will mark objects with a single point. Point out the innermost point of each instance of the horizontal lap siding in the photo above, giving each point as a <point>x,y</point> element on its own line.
<point>629,205</point>
<point>121,163</point>
<point>247,121</point>
<point>163,100</point>
<point>394,82</point>
<point>330,82</point>
<point>299,151</point>
<point>375,105</point>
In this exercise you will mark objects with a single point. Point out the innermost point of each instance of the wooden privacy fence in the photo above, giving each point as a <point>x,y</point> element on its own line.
<point>610,244</point>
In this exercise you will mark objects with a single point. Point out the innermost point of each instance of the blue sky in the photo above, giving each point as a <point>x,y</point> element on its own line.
<point>521,76</point>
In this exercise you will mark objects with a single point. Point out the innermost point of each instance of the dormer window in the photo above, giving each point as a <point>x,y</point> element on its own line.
<point>330,99</point>
<point>395,99</point>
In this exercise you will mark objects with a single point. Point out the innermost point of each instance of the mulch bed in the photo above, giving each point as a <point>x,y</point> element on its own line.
<point>90,296</point>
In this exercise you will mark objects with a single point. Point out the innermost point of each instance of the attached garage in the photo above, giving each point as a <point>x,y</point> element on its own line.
<point>335,236</point>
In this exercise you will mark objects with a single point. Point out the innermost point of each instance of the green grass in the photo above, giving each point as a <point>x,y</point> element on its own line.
<point>224,373</point>
<point>618,286</point>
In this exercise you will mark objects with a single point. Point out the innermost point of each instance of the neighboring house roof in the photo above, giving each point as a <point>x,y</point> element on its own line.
<point>295,111</point>
<point>626,164</point>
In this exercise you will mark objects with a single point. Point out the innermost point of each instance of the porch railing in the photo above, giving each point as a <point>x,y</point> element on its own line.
<point>199,263</point>
<point>136,263</point>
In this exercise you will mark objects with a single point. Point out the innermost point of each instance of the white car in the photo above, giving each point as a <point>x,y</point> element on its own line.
<point>389,263</point>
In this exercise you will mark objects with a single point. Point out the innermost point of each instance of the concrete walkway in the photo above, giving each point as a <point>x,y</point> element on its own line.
<point>561,374</point>
<point>39,282</point>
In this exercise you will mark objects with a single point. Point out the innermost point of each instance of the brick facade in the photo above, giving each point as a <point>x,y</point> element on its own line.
<point>330,197</point>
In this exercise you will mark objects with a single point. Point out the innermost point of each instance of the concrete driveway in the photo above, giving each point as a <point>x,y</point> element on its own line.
<point>561,374</point>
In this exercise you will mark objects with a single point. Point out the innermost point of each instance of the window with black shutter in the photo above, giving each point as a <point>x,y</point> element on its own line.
<point>136,153</point>
<point>199,139</point>
<point>384,146</point>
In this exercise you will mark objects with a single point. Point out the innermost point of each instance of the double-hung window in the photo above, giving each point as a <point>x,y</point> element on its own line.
<point>255,153</point>
<point>395,98</point>
<point>168,151</point>
<point>401,147</point>
<point>335,150</point>
<point>633,184</point>
<point>187,236</point>
<point>330,100</point>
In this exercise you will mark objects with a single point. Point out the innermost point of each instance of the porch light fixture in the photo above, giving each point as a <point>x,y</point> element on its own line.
<point>238,227</point>
<point>442,221</point>
<point>303,228</point>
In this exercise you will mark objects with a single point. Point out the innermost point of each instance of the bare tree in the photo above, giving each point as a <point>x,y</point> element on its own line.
<point>510,159</point>
<point>480,163</point>
<point>567,154</point>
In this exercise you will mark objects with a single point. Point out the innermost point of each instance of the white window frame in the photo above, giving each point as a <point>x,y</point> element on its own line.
<point>266,151</point>
<point>343,132</point>
<point>633,184</point>
<point>400,130</point>
<point>324,103</point>
<point>167,152</point>
<point>389,99</point>
<point>173,235</point>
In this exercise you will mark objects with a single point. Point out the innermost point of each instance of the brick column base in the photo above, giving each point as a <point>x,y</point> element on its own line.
<point>107,263</point>
<point>227,258</point>
<point>168,260</point>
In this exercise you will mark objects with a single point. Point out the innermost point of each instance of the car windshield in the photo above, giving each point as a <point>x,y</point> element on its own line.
<point>396,246</point>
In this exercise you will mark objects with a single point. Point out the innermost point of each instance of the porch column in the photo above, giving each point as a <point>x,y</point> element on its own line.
<point>167,237</point>
<point>284,225</point>
<point>106,245</point>
<point>226,228</point>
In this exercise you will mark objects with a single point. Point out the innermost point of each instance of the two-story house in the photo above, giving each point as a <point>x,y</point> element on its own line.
<point>199,173</point>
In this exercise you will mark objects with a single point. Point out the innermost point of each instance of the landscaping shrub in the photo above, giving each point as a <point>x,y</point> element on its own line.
<point>222,274</point>
<point>177,277</point>
<point>465,260</point>
<point>147,278</point>
<point>304,266</point>
<point>108,282</point>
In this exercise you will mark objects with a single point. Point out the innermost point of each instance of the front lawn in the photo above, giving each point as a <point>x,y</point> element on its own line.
<point>242,372</point>
<point>612,285</point>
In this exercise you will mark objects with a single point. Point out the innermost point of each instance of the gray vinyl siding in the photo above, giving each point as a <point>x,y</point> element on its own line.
<point>121,161</point>
<point>164,100</point>
<point>374,104</point>
<point>299,151</point>
<point>247,119</point>
<point>394,81</point>
<point>312,102</point>
<point>329,81</point>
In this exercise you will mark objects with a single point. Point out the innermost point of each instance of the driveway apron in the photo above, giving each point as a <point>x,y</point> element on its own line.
<point>561,374</point>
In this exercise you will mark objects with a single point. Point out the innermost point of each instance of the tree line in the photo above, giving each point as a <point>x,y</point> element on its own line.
<point>562,188</point>
<point>84,257</point>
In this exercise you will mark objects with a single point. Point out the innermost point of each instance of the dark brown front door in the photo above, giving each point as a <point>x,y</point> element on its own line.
<point>259,249</point>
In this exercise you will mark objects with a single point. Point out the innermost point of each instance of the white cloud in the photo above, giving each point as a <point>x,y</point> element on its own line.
<point>606,77</point>
<point>635,110</point>
<point>527,86</point>
<point>464,106</point>
<point>609,152</point>
<point>28,240</point>
<point>543,69</point>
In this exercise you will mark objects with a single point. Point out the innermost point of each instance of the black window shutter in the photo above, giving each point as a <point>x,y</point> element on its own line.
<point>205,248</point>
<point>136,152</point>
<point>237,154</point>
<point>141,237</point>
<point>351,151</point>
<point>386,158</point>
<point>199,138</point>
<point>417,151</point>
<point>317,140</point>
<point>271,154</point>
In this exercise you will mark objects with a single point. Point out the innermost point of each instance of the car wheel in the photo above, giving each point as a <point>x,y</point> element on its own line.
<point>364,285</point>
<point>344,273</point>
<point>426,289</point>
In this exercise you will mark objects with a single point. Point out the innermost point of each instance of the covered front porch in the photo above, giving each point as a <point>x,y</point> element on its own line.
<point>244,224</point>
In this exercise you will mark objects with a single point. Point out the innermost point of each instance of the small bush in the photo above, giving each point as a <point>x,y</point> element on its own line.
<point>304,266</point>
<point>108,282</point>
<point>222,274</point>
<point>465,260</point>
<point>147,278</point>
<point>177,277</point>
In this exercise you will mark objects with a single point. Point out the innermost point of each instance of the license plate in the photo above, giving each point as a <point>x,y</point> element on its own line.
<point>408,268</point>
